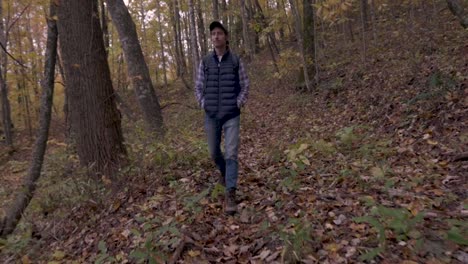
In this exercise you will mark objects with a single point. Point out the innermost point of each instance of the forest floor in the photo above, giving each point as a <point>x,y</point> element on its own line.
<point>361,169</point>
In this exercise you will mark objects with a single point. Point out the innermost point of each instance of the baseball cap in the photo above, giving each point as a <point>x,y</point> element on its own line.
<point>217,24</point>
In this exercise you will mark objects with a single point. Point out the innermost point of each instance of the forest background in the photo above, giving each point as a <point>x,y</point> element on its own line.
<point>354,139</point>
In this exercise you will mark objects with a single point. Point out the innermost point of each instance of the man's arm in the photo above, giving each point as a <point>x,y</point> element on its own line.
<point>199,85</point>
<point>244,85</point>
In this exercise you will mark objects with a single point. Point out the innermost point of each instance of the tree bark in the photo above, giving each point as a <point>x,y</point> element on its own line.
<point>364,14</point>
<point>95,120</point>
<point>6,112</point>
<point>176,38</point>
<point>224,12</point>
<point>215,10</point>
<point>193,40</point>
<point>23,91</point>
<point>201,29</point>
<point>136,66</point>
<point>299,36</point>
<point>458,10</point>
<point>34,61</point>
<point>105,29</point>
<point>8,225</point>
<point>245,31</point>
<point>179,35</point>
<point>309,47</point>
<point>161,41</point>
<point>181,65</point>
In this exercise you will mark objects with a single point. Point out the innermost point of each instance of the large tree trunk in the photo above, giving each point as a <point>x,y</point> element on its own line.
<point>161,41</point>
<point>309,47</point>
<point>95,120</point>
<point>300,39</point>
<point>458,10</point>
<point>136,65</point>
<point>6,112</point>
<point>193,40</point>
<point>8,225</point>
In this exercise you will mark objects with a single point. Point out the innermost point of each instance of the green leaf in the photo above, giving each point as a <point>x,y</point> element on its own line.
<point>377,172</point>
<point>371,254</point>
<point>138,255</point>
<point>58,255</point>
<point>400,214</point>
<point>455,236</point>
<point>102,246</point>
<point>135,232</point>
<point>375,223</point>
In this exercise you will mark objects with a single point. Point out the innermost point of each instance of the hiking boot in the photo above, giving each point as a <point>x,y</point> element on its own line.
<point>230,205</point>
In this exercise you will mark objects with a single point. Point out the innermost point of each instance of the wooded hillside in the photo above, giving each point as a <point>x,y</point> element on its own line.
<point>354,141</point>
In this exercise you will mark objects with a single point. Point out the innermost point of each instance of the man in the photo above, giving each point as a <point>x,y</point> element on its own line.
<point>221,89</point>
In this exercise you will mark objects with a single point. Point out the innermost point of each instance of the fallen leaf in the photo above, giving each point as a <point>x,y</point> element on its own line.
<point>377,172</point>
<point>194,253</point>
<point>273,256</point>
<point>265,253</point>
<point>244,217</point>
<point>58,255</point>
<point>350,251</point>
<point>25,259</point>
<point>339,220</point>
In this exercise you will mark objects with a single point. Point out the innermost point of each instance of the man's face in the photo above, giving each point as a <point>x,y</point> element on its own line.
<point>218,38</point>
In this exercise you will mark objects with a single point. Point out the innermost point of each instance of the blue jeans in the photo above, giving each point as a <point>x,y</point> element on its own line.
<point>227,163</point>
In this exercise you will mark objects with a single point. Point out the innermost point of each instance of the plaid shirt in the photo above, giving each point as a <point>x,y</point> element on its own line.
<point>243,81</point>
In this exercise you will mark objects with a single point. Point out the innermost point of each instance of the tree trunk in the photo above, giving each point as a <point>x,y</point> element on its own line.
<point>364,11</point>
<point>309,48</point>
<point>458,10</point>
<point>23,91</point>
<point>144,36</point>
<point>201,29</point>
<point>215,10</point>
<point>224,12</point>
<point>298,30</point>
<point>254,33</point>
<point>291,30</point>
<point>105,29</point>
<point>245,31</point>
<point>161,41</point>
<point>278,9</point>
<point>176,39</point>
<point>182,66</point>
<point>34,61</point>
<point>179,35</point>
<point>6,112</point>
<point>363,29</point>
<point>193,40</point>
<point>8,225</point>
<point>95,120</point>
<point>136,65</point>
